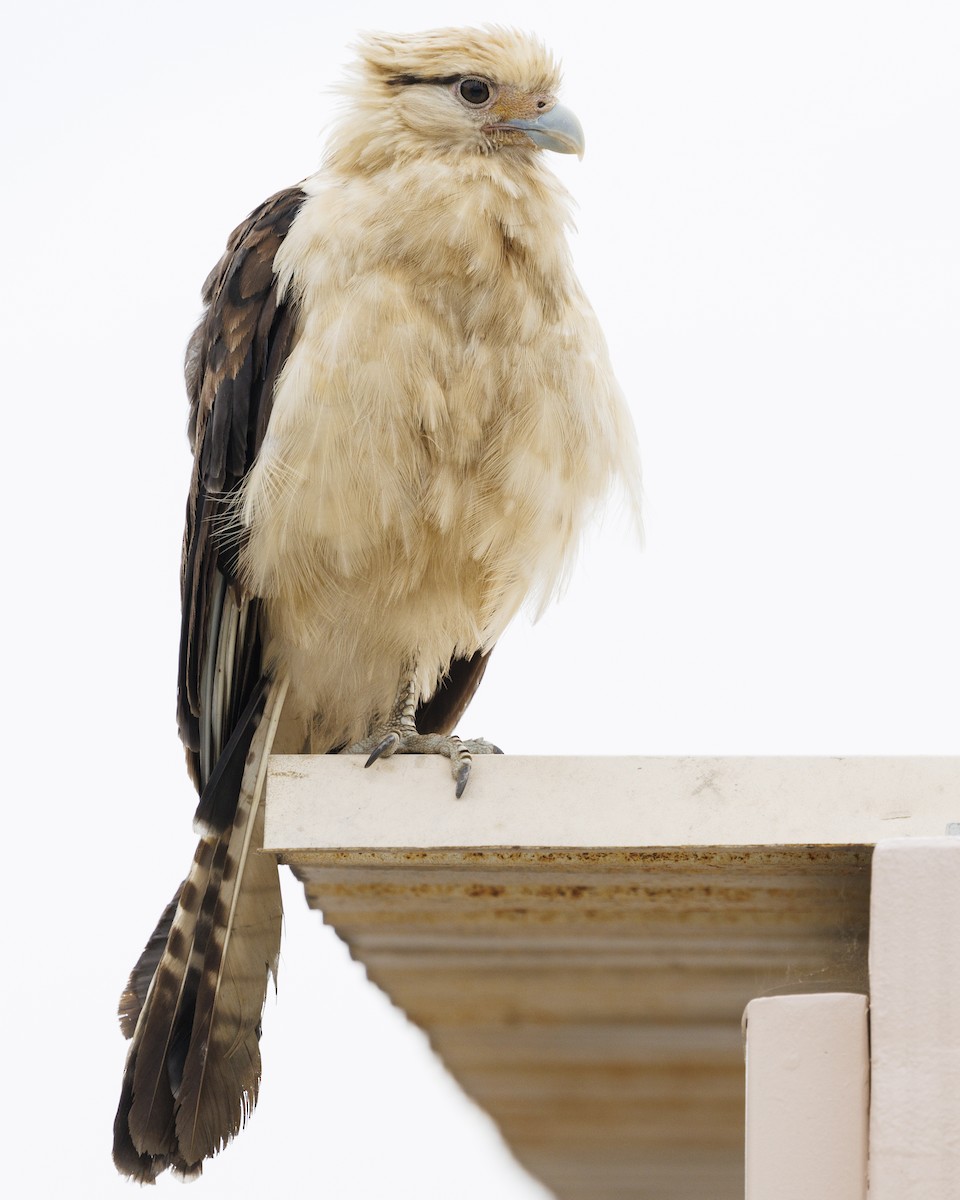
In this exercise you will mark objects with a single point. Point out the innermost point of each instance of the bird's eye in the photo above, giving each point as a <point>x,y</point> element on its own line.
<point>474,91</point>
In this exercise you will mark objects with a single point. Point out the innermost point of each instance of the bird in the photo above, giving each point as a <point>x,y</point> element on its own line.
<point>403,415</point>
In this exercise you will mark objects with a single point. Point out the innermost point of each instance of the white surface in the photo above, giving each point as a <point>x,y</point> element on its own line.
<point>915,1020</point>
<point>768,229</point>
<point>807,1096</point>
<point>334,801</point>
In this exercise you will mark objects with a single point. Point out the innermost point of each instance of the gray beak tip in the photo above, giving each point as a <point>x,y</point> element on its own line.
<point>557,130</point>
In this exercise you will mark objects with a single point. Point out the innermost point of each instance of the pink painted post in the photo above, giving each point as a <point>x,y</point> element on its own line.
<point>915,1019</point>
<point>807,1095</point>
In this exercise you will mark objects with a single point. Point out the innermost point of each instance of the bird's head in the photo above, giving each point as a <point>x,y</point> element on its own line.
<point>461,91</point>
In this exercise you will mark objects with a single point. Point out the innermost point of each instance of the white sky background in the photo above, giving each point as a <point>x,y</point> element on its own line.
<point>769,227</point>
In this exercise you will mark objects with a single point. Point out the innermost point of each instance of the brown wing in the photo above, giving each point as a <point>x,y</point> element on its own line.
<point>233,361</point>
<point>446,706</point>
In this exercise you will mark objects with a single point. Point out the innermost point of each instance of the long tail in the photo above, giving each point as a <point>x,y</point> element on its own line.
<point>193,1004</point>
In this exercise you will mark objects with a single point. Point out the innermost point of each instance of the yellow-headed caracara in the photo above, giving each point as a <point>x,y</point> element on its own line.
<point>402,414</point>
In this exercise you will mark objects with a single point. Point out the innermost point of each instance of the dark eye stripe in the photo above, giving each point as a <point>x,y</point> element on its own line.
<point>410,80</point>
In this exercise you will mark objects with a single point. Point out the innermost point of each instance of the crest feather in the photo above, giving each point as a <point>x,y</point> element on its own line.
<point>494,51</point>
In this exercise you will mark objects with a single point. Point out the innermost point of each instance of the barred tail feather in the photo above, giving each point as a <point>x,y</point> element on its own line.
<point>138,985</point>
<point>193,1069</point>
<point>221,1072</point>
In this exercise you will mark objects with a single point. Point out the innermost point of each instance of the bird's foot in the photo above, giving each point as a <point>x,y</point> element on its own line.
<point>403,739</point>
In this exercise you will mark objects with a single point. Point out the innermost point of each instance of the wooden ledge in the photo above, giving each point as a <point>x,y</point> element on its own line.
<point>579,936</point>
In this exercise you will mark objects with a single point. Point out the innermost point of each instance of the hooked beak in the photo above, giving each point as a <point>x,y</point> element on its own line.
<point>557,130</point>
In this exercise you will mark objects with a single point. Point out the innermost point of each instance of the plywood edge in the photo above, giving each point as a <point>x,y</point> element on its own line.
<point>330,803</point>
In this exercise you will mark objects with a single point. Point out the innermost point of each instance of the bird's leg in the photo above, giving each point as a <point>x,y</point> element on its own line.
<point>402,727</point>
<point>400,736</point>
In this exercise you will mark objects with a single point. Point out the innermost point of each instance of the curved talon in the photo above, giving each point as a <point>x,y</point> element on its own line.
<point>462,776</point>
<point>384,748</point>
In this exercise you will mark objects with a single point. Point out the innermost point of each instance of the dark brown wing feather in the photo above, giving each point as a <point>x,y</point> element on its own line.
<point>233,361</point>
<point>446,706</point>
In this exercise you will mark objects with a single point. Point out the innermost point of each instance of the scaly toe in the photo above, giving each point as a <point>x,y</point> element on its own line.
<point>481,746</point>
